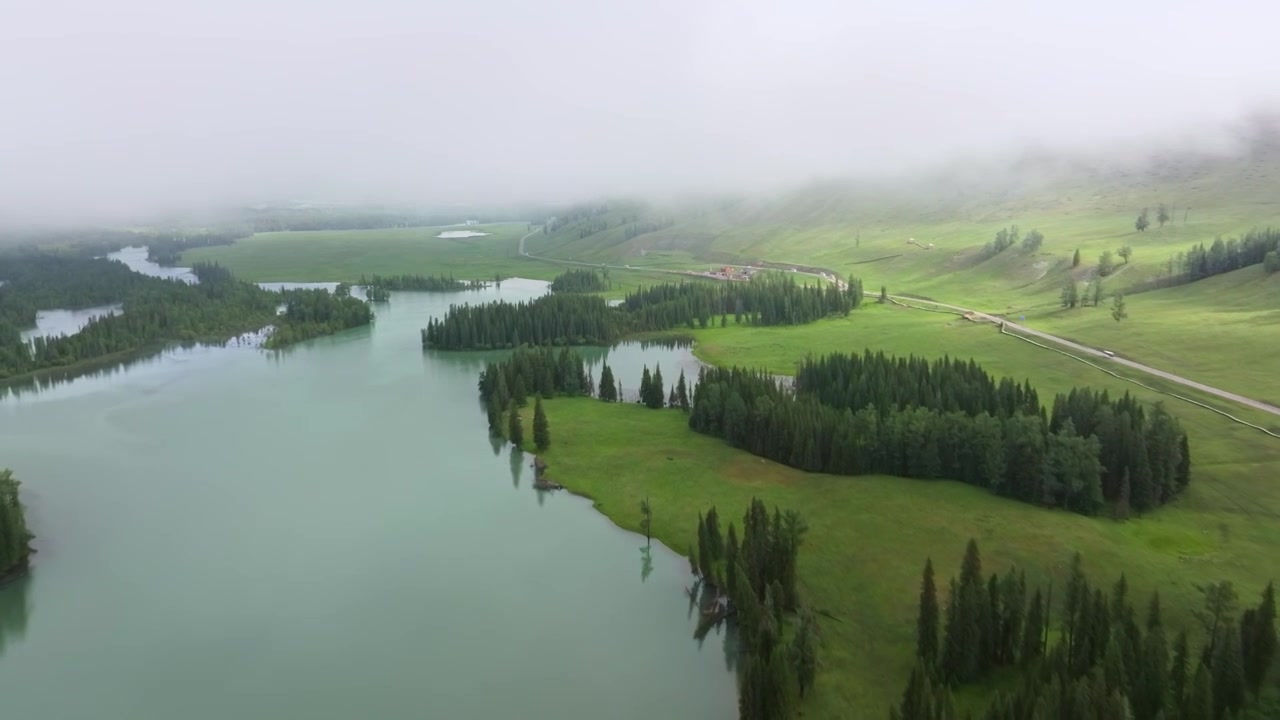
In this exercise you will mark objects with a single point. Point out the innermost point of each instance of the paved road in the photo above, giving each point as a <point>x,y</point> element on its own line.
<point>1086,350</point>
<point>1250,402</point>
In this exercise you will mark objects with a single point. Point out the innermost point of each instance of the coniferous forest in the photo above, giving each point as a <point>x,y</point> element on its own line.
<point>542,372</point>
<point>583,281</point>
<point>874,414</point>
<point>14,537</point>
<point>754,583</point>
<point>575,319</point>
<point>1092,655</point>
<point>421,283</point>
<point>155,311</point>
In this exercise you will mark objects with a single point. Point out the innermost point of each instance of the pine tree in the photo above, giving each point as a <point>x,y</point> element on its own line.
<point>646,384</point>
<point>655,397</point>
<point>1075,259</point>
<point>1033,630</point>
<point>1258,639</point>
<point>541,429</point>
<point>1179,671</point>
<point>804,654</point>
<point>1228,671</point>
<point>682,393</point>
<point>1149,699</point>
<point>927,622</point>
<point>1200,700</point>
<point>515,431</point>
<point>608,388</point>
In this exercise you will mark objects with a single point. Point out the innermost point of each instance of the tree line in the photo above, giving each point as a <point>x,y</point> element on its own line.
<point>1101,659</point>
<point>873,414</point>
<point>1220,256</point>
<point>167,249</point>
<point>155,311</point>
<point>15,538</point>
<point>580,281</point>
<point>420,283</point>
<point>754,583</point>
<point>577,319</point>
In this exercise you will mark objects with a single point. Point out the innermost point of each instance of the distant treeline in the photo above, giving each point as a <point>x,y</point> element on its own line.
<point>873,414</point>
<point>575,319</point>
<point>1221,256</point>
<point>15,539</point>
<point>277,219</point>
<point>155,311</point>
<point>1105,661</point>
<point>167,250</point>
<point>580,281</point>
<point>423,283</point>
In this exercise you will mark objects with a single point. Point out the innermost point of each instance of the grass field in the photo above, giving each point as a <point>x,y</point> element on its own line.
<point>1221,331</point>
<point>338,255</point>
<point>345,255</point>
<point>869,535</point>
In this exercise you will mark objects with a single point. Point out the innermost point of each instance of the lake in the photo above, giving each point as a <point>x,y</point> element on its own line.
<point>328,532</point>
<point>55,322</point>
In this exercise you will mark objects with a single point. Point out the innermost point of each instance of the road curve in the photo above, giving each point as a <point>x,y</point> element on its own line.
<point>832,276</point>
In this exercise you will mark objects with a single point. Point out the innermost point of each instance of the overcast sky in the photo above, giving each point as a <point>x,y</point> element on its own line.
<point>133,104</point>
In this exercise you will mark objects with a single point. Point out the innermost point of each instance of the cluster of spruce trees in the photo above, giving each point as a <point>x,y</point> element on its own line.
<point>421,283</point>
<point>556,319</point>
<point>768,299</point>
<point>757,577</point>
<point>580,281</point>
<point>312,313</point>
<point>1106,663</point>
<point>15,539</point>
<point>506,385</point>
<point>874,414</point>
<point>577,319</point>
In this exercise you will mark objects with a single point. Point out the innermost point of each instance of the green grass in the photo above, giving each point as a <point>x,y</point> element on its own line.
<point>1223,331</point>
<point>343,255</point>
<point>1218,331</point>
<point>869,536</point>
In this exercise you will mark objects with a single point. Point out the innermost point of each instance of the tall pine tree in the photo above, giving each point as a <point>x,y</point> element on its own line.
<point>927,622</point>
<point>541,429</point>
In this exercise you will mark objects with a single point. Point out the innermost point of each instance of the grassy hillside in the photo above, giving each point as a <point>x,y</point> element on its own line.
<point>925,237</point>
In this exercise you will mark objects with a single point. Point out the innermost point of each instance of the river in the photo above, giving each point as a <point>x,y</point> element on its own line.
<point>327,532</point>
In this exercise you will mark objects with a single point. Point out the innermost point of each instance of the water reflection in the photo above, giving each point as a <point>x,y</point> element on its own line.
<point>15,607</point>
<point>51,379</point>
<point>496,442</point>
<point>517,465</point>
<point>646,561</point>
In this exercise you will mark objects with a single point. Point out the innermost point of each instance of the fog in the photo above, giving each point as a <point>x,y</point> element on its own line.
<point>123,107</point>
